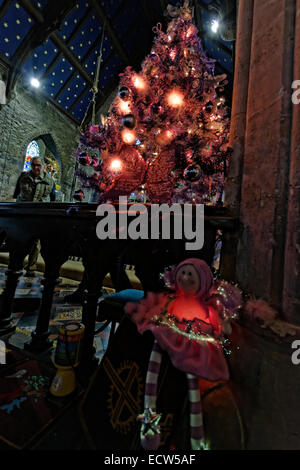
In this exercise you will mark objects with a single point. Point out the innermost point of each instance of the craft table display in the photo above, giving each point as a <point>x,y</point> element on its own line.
<point>59,226</point>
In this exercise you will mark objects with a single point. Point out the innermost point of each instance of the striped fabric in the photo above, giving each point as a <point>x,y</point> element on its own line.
<point>196,417</point>
<point>152,377</point>
<point>150,430</point>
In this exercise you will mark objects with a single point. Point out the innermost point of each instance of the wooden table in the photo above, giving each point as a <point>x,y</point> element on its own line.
<point>60,226</point>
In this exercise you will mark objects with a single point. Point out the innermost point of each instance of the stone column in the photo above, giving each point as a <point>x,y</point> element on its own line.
<point>262,147</point>
<point>239,103</point>
<point>291,292</point>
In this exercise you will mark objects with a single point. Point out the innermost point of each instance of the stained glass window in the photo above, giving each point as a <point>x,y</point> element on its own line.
<point>33,150</point>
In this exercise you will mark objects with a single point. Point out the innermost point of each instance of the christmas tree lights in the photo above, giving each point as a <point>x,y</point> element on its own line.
<point>167,121</point>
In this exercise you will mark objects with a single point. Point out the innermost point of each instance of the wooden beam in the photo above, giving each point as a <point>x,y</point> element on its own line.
<point>62,110</point>
<point>119,10</point>
<point>85,58</point>
<point>113,84</point>
<point>65,85</point>
<point>4,7</point>
<point>71,57</point>
<point>219,44</point>
<point>103,18</point>
<point>103,95</point>
<point>222,69</point>
<point>90,51</point>
<point>198,17</point>
<point>5,61</point>
<point>68,42</point>
<point>106,92</point>
<point>203,5</point>
<point>35,13</point>
<point>148,12</point>
<point>37,35</point>
<point>79,97</point>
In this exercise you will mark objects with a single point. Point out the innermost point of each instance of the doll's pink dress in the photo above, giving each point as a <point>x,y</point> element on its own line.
<point>194,346</point>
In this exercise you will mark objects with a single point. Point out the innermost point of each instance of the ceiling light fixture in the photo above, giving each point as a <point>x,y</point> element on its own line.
<point>35,83</point>
<point>215,26</point>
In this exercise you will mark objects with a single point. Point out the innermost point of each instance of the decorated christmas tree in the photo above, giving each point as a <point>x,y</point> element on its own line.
<point>167,128</point>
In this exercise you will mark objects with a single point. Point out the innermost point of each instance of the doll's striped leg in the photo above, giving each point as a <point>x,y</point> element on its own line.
<point>152,377</point>
<point>150,432</point>
<point>196,416</point>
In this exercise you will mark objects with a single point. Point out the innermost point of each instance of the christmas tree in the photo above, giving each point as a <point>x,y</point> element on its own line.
<point>167,128</point>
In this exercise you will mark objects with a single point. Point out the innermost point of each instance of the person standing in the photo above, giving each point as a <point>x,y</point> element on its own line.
<point>34,186</point>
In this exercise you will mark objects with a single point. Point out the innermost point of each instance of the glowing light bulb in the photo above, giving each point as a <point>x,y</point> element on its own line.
<point>35,83</point>
<point>116,165</point>
<point>128,137</point>
<point>175,99</point>
<point>215,26</point>
<point>138,82</point>
<point>189,31</point>
<point>172,54</point>
<point>124,107</point>
<point>165,137</point>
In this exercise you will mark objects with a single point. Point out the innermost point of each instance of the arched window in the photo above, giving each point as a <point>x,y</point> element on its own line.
<point>32,150</point>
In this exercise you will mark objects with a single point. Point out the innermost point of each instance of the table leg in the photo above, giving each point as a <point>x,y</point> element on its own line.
<point>17,254</point>
<point>54,256</point>
<point>40,337</point>
<point>98,257</point>
<point>6,323</point>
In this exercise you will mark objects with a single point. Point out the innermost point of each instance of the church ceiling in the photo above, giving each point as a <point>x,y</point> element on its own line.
<point>61,51</point>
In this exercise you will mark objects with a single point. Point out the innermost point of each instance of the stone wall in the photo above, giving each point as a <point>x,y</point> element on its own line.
<point>27,117</point>
<point>266,386</point>
<point>263,190</point>
<point>263,185</point>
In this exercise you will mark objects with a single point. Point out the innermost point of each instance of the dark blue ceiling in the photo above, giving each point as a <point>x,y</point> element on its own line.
<point>81,31</point>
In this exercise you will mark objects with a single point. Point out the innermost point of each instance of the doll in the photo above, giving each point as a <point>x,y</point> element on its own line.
<point>190,326</point>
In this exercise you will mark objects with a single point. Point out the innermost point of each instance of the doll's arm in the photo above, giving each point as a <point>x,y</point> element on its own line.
<point>215,321</point>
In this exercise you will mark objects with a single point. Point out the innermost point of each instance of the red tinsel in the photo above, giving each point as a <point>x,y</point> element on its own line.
<point>130,175</point>
<point>159,181</point>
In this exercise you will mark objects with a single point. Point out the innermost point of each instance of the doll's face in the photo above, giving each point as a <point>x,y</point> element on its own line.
<point>187,279</point>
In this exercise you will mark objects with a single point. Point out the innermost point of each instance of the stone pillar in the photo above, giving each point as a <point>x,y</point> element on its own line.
<point>262,150</point>
<point>239,103</point>
<point>291,292</point>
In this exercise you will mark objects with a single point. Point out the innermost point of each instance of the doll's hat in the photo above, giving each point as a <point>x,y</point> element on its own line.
<point>204,272</point>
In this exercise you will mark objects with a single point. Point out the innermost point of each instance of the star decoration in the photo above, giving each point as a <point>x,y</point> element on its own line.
<point>150,421</point>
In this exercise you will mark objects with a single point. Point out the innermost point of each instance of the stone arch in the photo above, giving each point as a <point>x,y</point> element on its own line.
<point>48,138</point>
<point>49,143</point>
